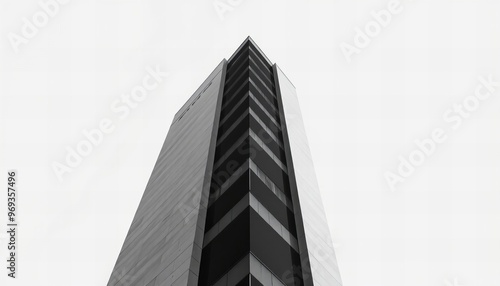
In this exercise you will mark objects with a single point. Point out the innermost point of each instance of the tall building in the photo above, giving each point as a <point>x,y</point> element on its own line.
<point>233,197</point>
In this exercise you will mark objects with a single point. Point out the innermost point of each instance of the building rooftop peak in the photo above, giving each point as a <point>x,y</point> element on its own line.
<point>250,40</point>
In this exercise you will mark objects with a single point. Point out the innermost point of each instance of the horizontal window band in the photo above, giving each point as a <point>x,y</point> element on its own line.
<point>261,85</point>
<point>264,126</point>
<point>253,266</point>
<point>235,112</point>
<point>261,175</point>
<point>231,149</point>
<point>255,52</point>
<point>228,88</point>
<point>271,117</point>
<point>272,186</point>
<point>228,98</point>
<point>223,136</point>
<point>227,184</point>
<point>268,151</point>
<point>267,76</point>
<point>243,68</point>
<point>266,82</point>
<point>250,200</point>
<point>265,96</point>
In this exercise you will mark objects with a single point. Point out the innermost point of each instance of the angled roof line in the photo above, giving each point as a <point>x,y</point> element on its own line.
<point>249,39</point>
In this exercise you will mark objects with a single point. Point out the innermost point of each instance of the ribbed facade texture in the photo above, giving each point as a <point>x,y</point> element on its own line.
<point>233,197</point>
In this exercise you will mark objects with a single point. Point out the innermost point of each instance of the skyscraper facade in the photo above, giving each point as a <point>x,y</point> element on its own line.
<point>233,197</point>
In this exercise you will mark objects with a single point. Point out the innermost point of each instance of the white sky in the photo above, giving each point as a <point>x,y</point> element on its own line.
<point>440,227</point>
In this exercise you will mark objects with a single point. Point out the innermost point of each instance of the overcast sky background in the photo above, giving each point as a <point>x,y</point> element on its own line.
<point>440,227</point>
